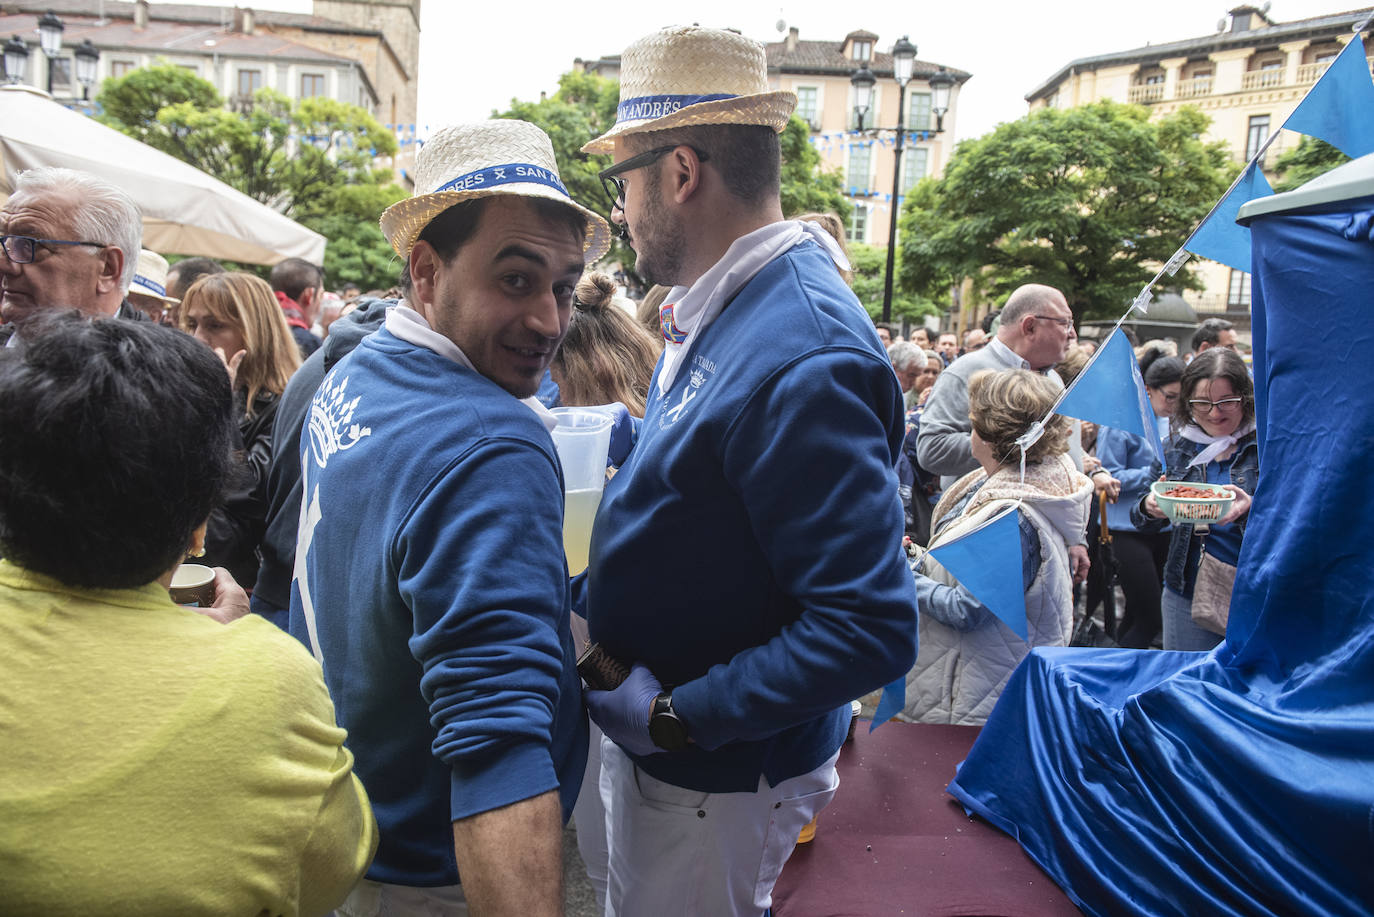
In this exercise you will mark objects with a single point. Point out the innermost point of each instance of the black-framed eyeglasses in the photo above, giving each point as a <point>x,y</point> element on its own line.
<point>1062,322</point>
<point>21,249</point>
<point>1202,406</point>
<point>615,187</point>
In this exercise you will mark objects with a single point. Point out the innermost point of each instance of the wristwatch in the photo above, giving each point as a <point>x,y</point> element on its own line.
<point>666,728</point>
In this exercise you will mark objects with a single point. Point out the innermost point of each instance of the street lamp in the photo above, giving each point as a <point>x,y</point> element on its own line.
<point>903,59</point>
<point>16,60</point>
<point>87,56</point>
<point>50,39</point>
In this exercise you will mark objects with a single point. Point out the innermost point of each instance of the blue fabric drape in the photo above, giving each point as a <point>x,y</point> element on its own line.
<point>1239,781</point>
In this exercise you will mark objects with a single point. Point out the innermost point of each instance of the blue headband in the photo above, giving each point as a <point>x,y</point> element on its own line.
<point>509,173</point>
<point>646,107</point>
<point>157,288</point>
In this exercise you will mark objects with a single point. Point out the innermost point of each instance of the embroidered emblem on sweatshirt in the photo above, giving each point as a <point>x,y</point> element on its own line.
<point>331,421</point>
<point>702,370</point>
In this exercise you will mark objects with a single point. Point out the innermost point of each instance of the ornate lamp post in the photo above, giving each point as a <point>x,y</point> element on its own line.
<point>50,39</point>
<point>903,58</point>
<point>87,56</point>
<point>16,60</point>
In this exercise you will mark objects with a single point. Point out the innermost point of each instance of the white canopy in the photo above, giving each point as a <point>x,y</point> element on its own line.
<point>185,211</point>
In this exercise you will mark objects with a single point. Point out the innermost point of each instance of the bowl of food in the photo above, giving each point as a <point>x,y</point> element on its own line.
<point>1191,503</point>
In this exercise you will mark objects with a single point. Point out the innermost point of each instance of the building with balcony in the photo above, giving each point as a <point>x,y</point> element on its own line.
<point>364,52</point>
<point>818,71</point>
<point>1248,77</point>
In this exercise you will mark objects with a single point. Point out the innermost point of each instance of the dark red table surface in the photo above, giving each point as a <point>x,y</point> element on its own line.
<point>894,842</point>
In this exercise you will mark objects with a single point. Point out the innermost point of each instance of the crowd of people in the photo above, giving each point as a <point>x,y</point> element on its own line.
<point>384,694</point>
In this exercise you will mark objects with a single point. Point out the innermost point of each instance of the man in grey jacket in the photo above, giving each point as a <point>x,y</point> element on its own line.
<point>1036,332</point>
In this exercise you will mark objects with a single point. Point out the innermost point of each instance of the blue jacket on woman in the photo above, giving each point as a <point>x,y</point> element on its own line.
<point>1180,567</point>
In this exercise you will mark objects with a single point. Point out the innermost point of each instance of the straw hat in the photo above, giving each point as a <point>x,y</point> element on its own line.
<point>687,75</point>
<point>150,277</point>
<point>467,161</point>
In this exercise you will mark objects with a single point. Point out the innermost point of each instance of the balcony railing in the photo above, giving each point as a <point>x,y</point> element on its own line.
<point>1197,86</point>
<point>1150,92</point>
<point>1262,79</point>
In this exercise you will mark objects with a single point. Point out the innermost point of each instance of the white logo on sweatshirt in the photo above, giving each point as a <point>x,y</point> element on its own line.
<point>331,421</point>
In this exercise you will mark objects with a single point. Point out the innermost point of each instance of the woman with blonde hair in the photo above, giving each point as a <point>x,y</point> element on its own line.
<point>237,316</point>
<point>966,653</point>
<point>606,355</point>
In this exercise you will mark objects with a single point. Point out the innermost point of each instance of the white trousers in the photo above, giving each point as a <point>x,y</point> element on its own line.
<point>683,852</point>
<point>377,899</point>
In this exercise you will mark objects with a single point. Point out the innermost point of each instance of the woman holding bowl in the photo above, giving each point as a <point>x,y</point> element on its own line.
<point>1212,441</point>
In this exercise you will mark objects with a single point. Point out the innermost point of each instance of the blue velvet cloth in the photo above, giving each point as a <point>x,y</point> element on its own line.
<point>1239,781</point>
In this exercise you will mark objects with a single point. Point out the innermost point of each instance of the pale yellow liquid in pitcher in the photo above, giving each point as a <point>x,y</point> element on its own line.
<point>579,509</point>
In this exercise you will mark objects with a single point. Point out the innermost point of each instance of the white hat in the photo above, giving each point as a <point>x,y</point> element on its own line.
<point>467,161</point>
<point>150,277</point>
<point>687,75</point>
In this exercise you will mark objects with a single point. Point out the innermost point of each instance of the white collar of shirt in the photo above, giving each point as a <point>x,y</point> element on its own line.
<point>1006,356</point>
<point>695,307</point>
<point>410,326</point>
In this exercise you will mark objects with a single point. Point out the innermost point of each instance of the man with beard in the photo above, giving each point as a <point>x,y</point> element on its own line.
<point>430,578</point>
<point>745,561</point>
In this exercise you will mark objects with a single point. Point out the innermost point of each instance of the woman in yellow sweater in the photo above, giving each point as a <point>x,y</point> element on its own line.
<point>156,761</point>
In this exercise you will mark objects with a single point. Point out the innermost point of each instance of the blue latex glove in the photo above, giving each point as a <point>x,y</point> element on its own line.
<point>623,714</point>
<point>624,432</point>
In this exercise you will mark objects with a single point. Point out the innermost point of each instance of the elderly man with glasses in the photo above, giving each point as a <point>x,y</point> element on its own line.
<point>69,241</point>
<point>1035,333</point>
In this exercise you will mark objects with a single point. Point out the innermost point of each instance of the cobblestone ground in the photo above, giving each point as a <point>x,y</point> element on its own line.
<point>578,900</point>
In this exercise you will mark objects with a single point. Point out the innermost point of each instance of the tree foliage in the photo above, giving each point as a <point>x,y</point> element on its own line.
<point>870,269</point>
<point>808,187</point>
<point>1310,158</point>
<point>312,159</point>
<point>1090,200</point>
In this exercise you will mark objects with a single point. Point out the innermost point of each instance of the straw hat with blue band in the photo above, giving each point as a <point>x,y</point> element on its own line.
<point>150,277</point>
<point>467,161</point>
<point>685,76</point>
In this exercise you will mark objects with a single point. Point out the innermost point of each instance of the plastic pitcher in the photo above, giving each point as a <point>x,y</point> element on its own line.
<point>582,438</point>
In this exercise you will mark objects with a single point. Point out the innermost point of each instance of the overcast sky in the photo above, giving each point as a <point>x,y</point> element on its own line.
<point>471,63</point>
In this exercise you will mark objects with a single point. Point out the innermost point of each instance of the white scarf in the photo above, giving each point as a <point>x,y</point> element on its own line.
<point>1216,445</point>
<point>411,327</point>
<point>695,307</point>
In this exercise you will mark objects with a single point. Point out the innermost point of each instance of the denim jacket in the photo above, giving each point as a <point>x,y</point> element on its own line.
<point>1180,566</point>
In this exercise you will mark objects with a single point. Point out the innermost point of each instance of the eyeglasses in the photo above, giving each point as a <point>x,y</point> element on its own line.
<point>1062,322</point>
<point>21,249</point>
<point>1225,405</point>
<point>615,187</point>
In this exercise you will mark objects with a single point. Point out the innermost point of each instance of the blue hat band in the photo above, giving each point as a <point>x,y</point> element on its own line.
<point>508,174</point>
<point>153,285</point>
<point>646,107</point>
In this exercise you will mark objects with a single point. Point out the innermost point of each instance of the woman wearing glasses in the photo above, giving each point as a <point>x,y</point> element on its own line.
<point>1213,440</point>
<point>1131,460</point>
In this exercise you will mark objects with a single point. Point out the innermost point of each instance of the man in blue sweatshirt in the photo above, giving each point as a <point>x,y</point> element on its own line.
<point>746,558</point>
<point>430,579</point>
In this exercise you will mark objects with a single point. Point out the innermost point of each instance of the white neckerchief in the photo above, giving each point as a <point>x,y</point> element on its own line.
<point>411,327</point>
<point>695,307</point>
<point>1216,445</point>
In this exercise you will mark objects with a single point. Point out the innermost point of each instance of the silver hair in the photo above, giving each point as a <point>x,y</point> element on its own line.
<point>1026,299</point>
<point>907,356</point>
<point>105,214</point>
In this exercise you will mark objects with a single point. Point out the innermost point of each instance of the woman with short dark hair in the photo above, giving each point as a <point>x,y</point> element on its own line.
<point>1212,440</point>
<point>157,761</point>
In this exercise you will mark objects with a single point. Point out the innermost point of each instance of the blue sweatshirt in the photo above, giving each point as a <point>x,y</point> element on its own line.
<point>749,550</point>
<point>431,554</point>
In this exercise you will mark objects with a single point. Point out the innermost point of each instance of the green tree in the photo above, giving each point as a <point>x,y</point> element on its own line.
<point>1090,200</point>
<point>808,187</point>
<point>1310,158</point>
<point>870,266</point>
<point>313,160</point>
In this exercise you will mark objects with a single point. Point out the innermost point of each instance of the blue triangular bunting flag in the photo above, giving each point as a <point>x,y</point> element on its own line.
<point>1337,109</point>
<point>890,704</point>
<point>1219,238</point>
<point>987,562</point>
<point>1110,392</point>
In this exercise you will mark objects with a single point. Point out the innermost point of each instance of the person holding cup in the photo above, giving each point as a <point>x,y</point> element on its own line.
<point>1213,439</point>
<point>159,759</point>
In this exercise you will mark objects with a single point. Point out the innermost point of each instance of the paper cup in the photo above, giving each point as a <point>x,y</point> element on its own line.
<point>193,585</point>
